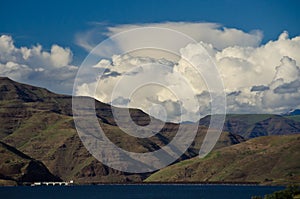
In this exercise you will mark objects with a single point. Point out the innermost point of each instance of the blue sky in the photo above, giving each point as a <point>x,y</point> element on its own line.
<point>255,45</point>
<point>48,22</point>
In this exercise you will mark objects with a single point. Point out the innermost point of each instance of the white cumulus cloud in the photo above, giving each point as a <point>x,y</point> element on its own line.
<point>36,66</point>
<point>258,78</point>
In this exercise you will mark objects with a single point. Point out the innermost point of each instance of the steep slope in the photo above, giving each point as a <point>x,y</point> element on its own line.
<point>40,123</point>
<point>254,125</point>
<point>19,102</point>
<point>267,160</point>
<point>18,168</point>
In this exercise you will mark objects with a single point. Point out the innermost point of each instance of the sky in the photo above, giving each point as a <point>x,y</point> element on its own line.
<point>48,22</point>
<point>255,45</point>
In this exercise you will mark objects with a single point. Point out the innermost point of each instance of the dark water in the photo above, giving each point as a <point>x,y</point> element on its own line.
<point>138,191</point>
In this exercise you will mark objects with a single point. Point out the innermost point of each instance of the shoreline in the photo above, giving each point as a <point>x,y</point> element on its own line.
<point>174,183</point>
<point>52,184</point>
<point>149,184</point>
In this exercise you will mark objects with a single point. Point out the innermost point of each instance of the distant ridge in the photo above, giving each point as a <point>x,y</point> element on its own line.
<point>292,112</point>
<point>256,125</point>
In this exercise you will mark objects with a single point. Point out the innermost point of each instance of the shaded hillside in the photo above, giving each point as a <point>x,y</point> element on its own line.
<point>254,125</point>
<point>16,168</point>
<point>267,160</point>
<point>40,123</point>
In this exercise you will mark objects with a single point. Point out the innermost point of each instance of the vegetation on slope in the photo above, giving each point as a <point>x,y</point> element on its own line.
<point>266,160</point>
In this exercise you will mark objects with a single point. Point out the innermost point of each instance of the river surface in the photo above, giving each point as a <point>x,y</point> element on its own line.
<point>138,191</point>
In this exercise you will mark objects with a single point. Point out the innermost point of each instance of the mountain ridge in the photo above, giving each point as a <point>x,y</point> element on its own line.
<point>43,128</point>
<point>40,124</point>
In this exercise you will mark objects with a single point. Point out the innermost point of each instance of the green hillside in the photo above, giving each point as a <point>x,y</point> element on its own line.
<point>266,160</point>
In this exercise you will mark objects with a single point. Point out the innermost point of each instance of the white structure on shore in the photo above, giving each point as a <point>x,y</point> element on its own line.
<point>52,183</point>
